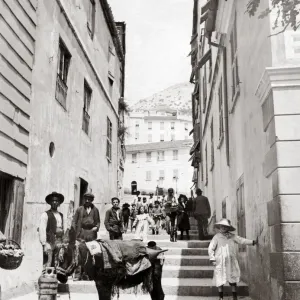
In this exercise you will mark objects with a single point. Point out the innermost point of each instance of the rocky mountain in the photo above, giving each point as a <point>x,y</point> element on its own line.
<point>176,97</point>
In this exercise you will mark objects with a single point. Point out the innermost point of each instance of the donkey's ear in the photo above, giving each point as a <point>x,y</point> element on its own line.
<point>72,235</point>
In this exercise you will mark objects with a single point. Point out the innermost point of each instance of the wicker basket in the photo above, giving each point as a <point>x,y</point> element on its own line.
<point>10,262</point>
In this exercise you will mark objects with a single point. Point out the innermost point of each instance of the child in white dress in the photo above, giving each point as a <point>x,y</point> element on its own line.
<point>141,224</point>
<point>222,254</point>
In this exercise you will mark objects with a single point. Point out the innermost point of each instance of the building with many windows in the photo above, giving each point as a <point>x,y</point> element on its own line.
<point>158,165</point>
<point>62,83</point>
<point>157,125</point>
<point>246,137</point>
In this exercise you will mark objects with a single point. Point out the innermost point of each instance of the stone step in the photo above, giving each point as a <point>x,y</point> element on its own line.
<point>171,286</point>
<point>170,271</point>
<point>151,237</point>
<point>186,260</point>
<point>94,296</point>
<point>187,251</point>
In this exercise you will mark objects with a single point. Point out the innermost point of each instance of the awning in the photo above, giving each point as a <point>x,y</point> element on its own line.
<point>196,144</point>
<point>192,157</point>
<point>193,75</point>
<point>204,59</point>
<point>195,176</point>
<point>196,89</point>
<point>192,52</point>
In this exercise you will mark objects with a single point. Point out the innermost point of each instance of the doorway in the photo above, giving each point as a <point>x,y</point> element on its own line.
<point>83,189</point>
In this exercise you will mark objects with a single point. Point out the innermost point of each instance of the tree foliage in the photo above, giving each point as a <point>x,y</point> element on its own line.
<point>287,12</point>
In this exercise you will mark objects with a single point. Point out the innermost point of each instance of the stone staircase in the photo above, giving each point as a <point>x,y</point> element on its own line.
<point>187,273</point>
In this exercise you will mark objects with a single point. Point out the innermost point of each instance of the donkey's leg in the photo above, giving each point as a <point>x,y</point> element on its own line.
<point>157,292</point>
<point>104,290</point>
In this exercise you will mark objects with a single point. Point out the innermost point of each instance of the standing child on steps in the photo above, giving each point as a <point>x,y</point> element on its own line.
<point>222,254</point>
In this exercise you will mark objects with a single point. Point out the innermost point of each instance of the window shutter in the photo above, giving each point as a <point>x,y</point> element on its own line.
<point>18,200</point>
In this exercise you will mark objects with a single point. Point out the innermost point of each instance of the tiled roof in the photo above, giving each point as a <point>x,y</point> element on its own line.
<point>159,146</point>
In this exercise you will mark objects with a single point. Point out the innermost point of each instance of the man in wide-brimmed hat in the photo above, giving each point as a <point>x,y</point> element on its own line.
<point>51,228</point>
<point>202,213</point>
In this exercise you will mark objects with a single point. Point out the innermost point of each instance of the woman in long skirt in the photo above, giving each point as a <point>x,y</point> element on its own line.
<point>183,217</point>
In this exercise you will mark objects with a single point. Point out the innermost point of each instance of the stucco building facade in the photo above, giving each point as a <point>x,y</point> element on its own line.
<point>246,135</point>
<point>72,99</point>
<point>159,165</point>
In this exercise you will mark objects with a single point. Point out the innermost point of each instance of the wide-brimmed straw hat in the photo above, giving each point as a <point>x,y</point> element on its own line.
<point>225,222</point>
<point>60,197</point>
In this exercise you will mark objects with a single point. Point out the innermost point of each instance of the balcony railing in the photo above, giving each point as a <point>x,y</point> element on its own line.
<point>61,92</point>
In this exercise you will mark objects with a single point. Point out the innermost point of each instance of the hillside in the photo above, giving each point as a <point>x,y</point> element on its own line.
<point>177,97</point>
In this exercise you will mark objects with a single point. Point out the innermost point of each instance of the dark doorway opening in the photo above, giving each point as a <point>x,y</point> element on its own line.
<point>6,193</point>
<point>133,187</point>
<point>83,189</point>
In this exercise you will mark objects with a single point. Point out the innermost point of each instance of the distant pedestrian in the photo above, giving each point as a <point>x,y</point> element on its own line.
<point>137,195</point>
<point>141,224</point>
<point>171,212</point>
<point>201,213</point>
<point>114,221</point>
<point>126,215</point>
<point>145,204</point>
<point>133,214</point>
<point>139,203</point>
<point>157,215</point>
<point>183,217</point>
<point>151,200</point>
<point>51,229</point>
<point>222,254</point>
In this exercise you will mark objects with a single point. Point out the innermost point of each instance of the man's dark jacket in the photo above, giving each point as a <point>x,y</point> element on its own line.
<point>112,223</point>
<point>202,207</point>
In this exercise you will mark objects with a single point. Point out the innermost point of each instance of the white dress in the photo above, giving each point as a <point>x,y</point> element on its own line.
<point>142,226</point>
<point>222,249</point>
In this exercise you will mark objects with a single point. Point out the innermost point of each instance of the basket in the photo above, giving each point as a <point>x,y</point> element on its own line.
<point>10,262</point>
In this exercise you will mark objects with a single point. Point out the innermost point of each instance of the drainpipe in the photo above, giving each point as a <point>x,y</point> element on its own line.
<point>224,52</point>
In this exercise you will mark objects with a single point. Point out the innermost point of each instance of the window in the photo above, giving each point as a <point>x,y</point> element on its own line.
<point>137,124</point>
<point>134,158</point>
<point>204,88</point>
<point>186,126</point>
<point>111,86</point>
<point>162,125</point>
<point>224,208</point>
<point>172,125</point>
<point>162,174</point>
<point>206,166</point>
<point>175,154</point>
<point>241,216</point>
<point>87,96</point>
<point>221,122</point>
<point>175,174</point>
<point>162,137</point>
<point>161,155</point>
<point>64,58</point>
<point>234,61</point>
<point>148,176</point>
<point>137,136</point>
<point>148,154</point>
<point>91,18</point>
<point>173,137</point>
<point>149,125</point>
<point>149,138</point>
<point>109,140</point>
<point>212,152</point>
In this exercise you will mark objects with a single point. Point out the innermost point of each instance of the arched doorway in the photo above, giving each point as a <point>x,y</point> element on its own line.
<point>133,187</point>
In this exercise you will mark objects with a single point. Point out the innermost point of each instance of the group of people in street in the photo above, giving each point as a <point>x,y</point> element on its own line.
<point>170,214</point>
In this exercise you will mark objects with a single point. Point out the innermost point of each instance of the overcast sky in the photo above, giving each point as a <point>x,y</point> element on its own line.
<point>158,42</point>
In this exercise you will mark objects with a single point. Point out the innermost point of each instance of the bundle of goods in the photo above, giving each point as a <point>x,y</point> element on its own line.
<point>11,255</point>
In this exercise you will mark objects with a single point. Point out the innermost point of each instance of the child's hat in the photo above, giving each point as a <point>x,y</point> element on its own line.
<point>225,222</point>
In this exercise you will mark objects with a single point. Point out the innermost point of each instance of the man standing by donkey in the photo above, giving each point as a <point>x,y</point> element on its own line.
<point>86,223</point>
<point>51,228</point>
<point>201,213</point>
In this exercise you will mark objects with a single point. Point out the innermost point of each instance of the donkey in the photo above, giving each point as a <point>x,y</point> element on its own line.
<point>109,280</point>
